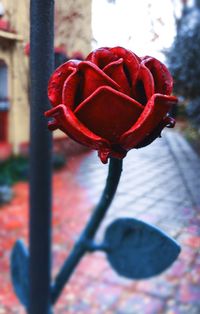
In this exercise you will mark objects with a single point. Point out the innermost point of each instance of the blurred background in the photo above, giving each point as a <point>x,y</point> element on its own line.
<point>160,183</point>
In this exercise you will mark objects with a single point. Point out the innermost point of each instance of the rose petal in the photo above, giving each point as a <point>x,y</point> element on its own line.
<point>115,71</point>
<point>66,121</point>
<point>71,90</point>
<point>125,53</point>
<point>101,57</point>
<point>108,113</point>
<point>144,87</point>
<point>93,78</point>
<point>154,112</point>
<point>166,122</point>
<point>162,78</point>
<point>57,80</point>
<point>104,154</point>
<point>131,63</point>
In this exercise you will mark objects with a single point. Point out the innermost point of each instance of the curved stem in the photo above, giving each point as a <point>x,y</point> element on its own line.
<point>114,174</point>
<point>80,248</point>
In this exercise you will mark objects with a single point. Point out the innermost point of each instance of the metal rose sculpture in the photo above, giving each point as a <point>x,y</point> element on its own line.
<point>112,102</point>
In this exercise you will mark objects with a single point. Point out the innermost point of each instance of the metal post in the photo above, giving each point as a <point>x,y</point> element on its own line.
<point>41,66</point>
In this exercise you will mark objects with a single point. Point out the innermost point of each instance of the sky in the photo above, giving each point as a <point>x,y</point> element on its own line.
<point>143,26</point>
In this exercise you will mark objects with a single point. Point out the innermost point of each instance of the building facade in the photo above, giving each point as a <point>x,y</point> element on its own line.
<point>72,35</point>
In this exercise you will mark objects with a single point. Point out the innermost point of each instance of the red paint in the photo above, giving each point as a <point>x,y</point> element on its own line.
<point>3,126</point>
<point>112,102</point>
<point>4,25</point>
<point>5,147</point>
<point>60,49</point>
<point>77,55</point>
<point>5,151</point>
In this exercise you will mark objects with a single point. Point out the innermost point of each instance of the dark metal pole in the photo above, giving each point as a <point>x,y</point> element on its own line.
<point>41,66</point>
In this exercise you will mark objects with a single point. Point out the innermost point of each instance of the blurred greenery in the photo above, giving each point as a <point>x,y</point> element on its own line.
<point>192,134</point>
<point>16,168</point>
<point>183,61</point>
<point>181,110</point>
<point>183,56</point>
<point>13,169</point>
<point>59,160</point>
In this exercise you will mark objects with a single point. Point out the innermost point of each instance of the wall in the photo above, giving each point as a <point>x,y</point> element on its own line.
<point>73,25</point>
<point>72,32</point>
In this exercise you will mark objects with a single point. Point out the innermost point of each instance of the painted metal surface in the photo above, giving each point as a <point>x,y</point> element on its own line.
<point>20,272</point>
<point>134,249</point>
<point>138,250</point>
<point>138,93</point>
<point>83,244</point>
<point>41,66</point>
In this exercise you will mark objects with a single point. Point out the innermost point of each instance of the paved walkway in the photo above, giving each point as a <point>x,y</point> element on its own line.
<point>160,184</point>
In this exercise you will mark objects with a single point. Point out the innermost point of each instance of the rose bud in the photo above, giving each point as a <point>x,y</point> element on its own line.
<point>112,102</point>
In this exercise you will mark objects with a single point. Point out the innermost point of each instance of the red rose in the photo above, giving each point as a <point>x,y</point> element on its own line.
<point>112,102</point>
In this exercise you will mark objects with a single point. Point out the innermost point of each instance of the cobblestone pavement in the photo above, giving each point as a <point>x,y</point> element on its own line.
<point>160,184</point>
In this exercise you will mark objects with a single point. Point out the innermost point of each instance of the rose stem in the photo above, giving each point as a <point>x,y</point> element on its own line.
<point>80,247</point>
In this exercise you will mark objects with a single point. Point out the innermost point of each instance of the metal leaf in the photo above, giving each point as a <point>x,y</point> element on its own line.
<point>138,250</point>
<point>19,271</point>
